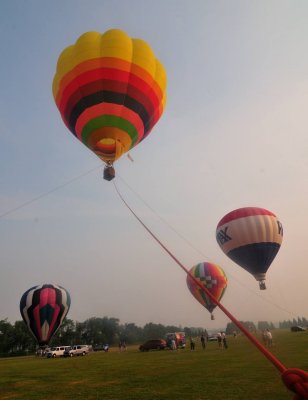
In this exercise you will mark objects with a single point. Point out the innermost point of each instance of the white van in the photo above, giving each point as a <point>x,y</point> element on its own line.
<point>78,350</point>
<point>57,351</point>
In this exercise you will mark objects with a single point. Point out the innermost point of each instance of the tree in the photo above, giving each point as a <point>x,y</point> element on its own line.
<point>262,325</point>
<point>154,331</point>
<point>66,335</point>
<point>131,333</point>
<point>98,330</point>
<point>193,332</point>
<point>23,341</point>
<point>6,336</point>
<point>249,325</point>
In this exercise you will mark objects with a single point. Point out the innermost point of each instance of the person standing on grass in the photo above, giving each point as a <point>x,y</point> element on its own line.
<point>192,344</point>
<point>203,341</point>
<point>264,337</point>
<point>219,339</point>
<point>269,338</point>
<point>224,340</point>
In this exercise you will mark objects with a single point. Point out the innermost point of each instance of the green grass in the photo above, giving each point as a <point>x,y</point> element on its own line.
<point>240,372</point>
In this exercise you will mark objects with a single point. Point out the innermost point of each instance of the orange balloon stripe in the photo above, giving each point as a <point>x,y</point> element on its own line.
<point>146,77</point>
<point>106,148</point>
<point>109,109</point>
<point>108,132</point>
<point>95,63</point>
<point>106,152</point>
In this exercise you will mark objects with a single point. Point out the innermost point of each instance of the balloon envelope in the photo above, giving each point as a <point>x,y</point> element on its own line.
<point>251,237</point>
<point>43,309</point>
<point>210,276</point>
<point>110,90</point>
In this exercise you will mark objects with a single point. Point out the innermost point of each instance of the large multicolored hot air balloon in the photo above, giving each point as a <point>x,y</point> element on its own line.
<point>43,309</point>
<point>212,277</point>
<point>110,90</point>
<point>251,237</point>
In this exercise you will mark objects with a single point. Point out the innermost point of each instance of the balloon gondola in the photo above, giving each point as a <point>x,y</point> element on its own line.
<point>251,237</point>
<point>109,172</point>
<point>110,90</point>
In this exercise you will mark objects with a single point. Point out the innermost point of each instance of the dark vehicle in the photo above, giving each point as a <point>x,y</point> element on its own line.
<point>155,344</point>
<point>104,348</point>
<point>297,329</point>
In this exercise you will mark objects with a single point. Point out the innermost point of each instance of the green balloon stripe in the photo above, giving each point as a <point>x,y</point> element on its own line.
<point>105,121</point>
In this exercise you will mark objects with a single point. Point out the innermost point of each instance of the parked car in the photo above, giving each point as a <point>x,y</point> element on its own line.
<point>77,350</point>
<point>104,347</point>
<point>57,351</point>
<point>297,329</point>
<point>212,338</point>
<point>154,344</point>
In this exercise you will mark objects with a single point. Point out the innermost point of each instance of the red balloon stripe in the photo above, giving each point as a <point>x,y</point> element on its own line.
<point>242,213</point>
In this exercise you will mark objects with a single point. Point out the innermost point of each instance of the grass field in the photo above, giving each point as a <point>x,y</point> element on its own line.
<point>239,373</point>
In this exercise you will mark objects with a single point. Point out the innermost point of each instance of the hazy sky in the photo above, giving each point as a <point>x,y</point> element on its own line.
<point>234,134</point>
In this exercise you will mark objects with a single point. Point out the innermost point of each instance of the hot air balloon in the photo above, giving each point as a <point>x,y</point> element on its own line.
<point>251,237</point>
<point>43,309</point>
<point>212,277</point>
<point>110,91</point>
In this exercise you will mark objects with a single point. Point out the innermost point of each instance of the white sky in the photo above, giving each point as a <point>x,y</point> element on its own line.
<point>234,134</point>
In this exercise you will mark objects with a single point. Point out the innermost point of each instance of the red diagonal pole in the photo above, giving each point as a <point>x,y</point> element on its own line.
<point>295,379</point>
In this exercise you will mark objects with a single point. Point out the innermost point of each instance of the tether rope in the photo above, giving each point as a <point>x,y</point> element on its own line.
<point>34,199</point>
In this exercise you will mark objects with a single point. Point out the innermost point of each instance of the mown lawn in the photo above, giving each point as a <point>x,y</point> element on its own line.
<point>239,373</point>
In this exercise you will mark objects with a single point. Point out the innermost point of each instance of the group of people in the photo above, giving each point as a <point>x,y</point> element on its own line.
<point>203,340</point>
<point>222,340</point>
<point>267,338</point>
<point>122,345</point>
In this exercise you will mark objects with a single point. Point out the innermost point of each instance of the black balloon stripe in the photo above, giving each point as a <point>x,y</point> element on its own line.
<point>255,258</point>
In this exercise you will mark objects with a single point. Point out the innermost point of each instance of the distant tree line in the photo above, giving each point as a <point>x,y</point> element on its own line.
<point>249,325</point>
<point>295,322</point>
<point>262,325</point>
<point>16,340</point>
